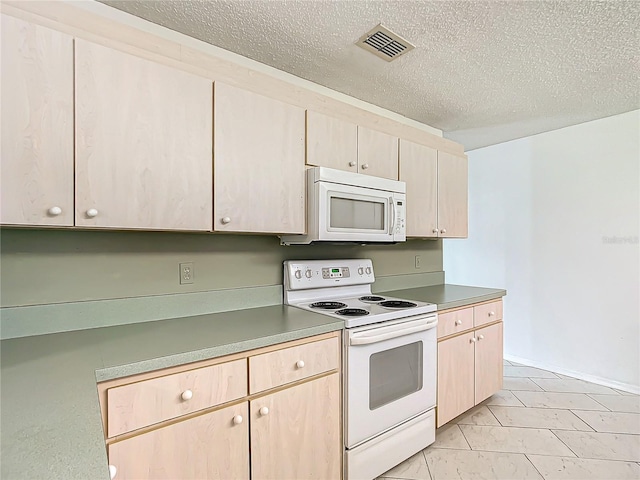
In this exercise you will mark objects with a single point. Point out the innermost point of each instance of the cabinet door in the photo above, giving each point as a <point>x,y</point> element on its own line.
<point>211,446</point>
<point>453,209</point>
<point>299,436</point>
<point>377,153</point>
<point>419,170</point>
<point>143,143</point>
<point>488,358</point>
<point>259,179</point>
<point>455,377</point>
<point>37,125</point>
<point>331,142</point>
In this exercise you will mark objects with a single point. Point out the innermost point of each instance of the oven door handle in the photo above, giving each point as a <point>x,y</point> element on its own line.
<point>392,331</point>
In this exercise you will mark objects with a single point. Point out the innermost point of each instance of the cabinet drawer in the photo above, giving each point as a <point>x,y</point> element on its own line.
<point>487,312</point>
<point>144,403</point>
<point>284,366</point>
<point>454,322</point>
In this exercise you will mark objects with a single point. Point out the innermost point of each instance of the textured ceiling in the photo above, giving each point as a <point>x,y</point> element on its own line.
<point>484,71</point>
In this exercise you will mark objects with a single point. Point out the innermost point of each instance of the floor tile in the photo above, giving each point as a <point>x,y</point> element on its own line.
<point>571,386</point>
<point>539,418</point>
<point>518,371</point>
<point>564,376</point>
<point>518,383</point>
<point>578,401</point>
<point>450,436</point>
<point>414,468</point>
<point>622,392</point>
<point>503,397</point>
<point>561,468</point>
<point>472,465</point>
<point>514,440</point>
<point>611,422</point>
<point>479,415</point>
<point>506,362</point>
<point>619,403</point>
<point>604,446</point>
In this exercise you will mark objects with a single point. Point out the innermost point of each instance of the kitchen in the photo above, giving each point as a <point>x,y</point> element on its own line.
<point>88,278</point>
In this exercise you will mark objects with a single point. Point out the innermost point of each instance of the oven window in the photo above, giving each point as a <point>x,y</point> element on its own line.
<point>394,374</point>
<point>356,214</point>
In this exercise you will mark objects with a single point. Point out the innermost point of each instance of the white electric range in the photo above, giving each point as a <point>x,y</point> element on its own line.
<point>389,361</point>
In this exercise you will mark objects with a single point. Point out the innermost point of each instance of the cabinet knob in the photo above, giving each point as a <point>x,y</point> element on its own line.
<point>365,166</point>
<point>444,230</point>
<point>264,411</point>
<point>458,322</point>
<point>187,395</point>
<point>54,211</point>
<point>480,337</point>
<point>92,212</point>
<point>113,471</point>
<point>300,364</point>
<point>491,314</point>
<point>435,230</point>
<point>352,164</point>
<point>237,419</point>
<point>226,220</point>
<point>474,339</point>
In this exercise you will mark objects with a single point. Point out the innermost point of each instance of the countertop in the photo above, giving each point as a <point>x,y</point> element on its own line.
<point>51,425</point>
<point>448,295</point>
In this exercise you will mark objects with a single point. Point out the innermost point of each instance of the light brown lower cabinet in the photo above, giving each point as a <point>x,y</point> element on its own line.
<point>210,446</point>
<point>206,424</point>
<point>298,436</point>
<point>470,367</point>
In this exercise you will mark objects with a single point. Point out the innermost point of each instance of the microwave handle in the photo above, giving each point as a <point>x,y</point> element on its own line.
<point>392,206</point>
<point>386,333</point>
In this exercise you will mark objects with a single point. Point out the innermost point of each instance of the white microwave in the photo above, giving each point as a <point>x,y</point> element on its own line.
<point>352,207</point>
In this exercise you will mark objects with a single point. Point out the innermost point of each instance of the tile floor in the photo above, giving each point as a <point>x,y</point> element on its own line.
<point>543,425</point>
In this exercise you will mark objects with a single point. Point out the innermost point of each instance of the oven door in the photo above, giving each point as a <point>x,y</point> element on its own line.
<point>350,213</point>
<point>390,375</point>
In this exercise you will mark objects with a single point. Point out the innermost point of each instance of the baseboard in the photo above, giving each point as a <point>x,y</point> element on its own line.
<point>625,387</point>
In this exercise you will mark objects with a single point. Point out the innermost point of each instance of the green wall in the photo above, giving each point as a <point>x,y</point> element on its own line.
<point>57,266</point>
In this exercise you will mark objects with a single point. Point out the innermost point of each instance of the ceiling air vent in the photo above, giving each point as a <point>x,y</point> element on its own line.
<point>384,43</point>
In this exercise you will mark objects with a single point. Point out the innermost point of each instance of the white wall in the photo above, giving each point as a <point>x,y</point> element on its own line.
<point>541,210</point>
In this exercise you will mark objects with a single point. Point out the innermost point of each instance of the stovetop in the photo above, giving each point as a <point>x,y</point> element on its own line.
<point>342,289</point>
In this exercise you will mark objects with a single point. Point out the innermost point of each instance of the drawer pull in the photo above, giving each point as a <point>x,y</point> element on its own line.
<point>113,471</point>
<point>300,363</point>
<point>352,164</point>
<point>237,419</point>
<point>473,339</point>
<point>54,211</point>
<point>458,322</point>
<point>264,411</point>
<point>480,337</point>
<point>187,395</point>
<point>491,314</point>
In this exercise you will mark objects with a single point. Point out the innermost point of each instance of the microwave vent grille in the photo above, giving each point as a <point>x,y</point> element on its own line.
<point>384,43</point>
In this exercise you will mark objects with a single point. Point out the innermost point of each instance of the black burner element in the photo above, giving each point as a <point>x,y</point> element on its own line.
<point>397,304</point>
<point>352,312</point>
<point>328,305</point>
<point>371,298</point>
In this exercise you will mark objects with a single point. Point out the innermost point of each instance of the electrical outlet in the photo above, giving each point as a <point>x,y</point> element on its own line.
<point>418,260</point>
<point>186,273</point>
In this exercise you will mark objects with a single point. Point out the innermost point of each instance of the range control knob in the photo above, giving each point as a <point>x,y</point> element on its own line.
<point>360,271</point>
<point>298,274</point>
<point>368,270</point>
<point>308,273</point>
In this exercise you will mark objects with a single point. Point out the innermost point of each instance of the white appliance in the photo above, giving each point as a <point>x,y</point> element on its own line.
<point>389,361</point>
<point>352,207</point>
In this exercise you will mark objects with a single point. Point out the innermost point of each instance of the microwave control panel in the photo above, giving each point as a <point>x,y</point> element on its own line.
<point>400,210</point>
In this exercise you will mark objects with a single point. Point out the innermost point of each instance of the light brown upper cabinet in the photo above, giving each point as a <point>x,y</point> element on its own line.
<point>331,142</point>
<point>436,191</point>
<point>37,125</point>
<point>143,143</point>
<point>259,179</point>
<point>453,191</point>
<point>377,153</point>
